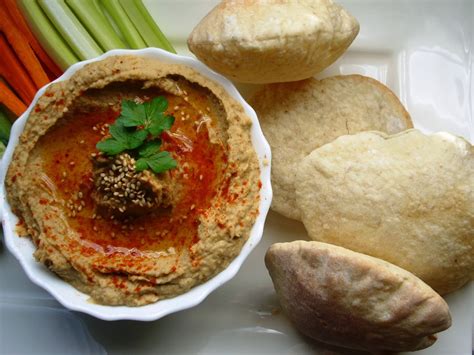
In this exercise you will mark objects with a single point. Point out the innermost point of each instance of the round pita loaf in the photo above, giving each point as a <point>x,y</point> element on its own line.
<point>299,117</point>
<point>353,300</point>
<point>407,199</point>
<point>268,41</point>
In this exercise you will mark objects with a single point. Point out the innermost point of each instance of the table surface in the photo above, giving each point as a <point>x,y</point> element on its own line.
<point>423,51</point>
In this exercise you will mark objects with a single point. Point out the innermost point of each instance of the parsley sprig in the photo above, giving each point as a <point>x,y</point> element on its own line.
<point>138,130</point>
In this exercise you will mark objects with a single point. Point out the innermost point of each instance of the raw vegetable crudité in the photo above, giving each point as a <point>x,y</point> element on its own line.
<point>39,39</point>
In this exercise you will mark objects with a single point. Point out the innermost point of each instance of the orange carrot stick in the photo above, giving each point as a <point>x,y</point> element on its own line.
<point>17,16</point>
<point>14,73</point>
<point>10,100</point>
<point>22,49</point>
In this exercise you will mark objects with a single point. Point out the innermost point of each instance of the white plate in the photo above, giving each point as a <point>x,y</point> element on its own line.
<point>423,50</point>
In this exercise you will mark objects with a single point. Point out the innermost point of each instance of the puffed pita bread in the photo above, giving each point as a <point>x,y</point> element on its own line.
<point>267,41</point>
<point>299,117</point>
<point>407,199</point>
<point>353,300</point>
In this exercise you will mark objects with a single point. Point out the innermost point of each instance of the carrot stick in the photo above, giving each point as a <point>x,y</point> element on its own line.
<point>22,49</point>
<point>17,16</point>
<point>10,100</point>
<point>14,73</point>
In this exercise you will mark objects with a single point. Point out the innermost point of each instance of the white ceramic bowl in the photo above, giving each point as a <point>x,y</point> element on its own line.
<point>73,299</point>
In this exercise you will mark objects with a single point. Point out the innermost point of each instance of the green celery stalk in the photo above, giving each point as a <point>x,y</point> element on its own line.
<point>151,22</point>
<point>47,35</point>
<point>71,29</point>
<point>2,149</point>
<point>127,28</point>
<point>96,23</point>
<point>5,127</point>
<point>145,24</point>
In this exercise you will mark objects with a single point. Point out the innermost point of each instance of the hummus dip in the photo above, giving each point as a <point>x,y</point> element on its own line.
<point>196,217</point>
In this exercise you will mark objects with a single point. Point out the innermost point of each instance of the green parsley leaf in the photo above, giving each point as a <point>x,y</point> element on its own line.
<point>160,123</point>
<point>137,130</point>
<point>130,139</point>
<point>110,146</point>
<point>150,115</point>
<point>132,114</point>
<point>141,165</point>
<point>149,148</point>
<point>157,105</point>
<point>118,131</point>
<point>159,162</point>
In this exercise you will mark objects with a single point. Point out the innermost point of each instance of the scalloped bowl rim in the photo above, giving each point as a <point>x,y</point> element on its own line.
<point>67,295</point>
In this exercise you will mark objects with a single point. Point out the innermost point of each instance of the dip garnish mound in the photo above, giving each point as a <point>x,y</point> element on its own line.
<point>120,184</point>
<point>136,180</point>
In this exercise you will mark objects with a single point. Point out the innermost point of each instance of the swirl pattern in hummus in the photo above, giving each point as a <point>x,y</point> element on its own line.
<point>135,261</point>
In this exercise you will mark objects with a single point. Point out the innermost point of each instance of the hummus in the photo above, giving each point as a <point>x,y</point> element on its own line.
<point>210,200</point>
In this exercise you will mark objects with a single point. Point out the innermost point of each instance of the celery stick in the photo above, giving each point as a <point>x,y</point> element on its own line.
<point>47,35</point>
<point>127,28</point>
<point>165,44</point>
<point>145,24</point>
<point>70,28</point>
<point>5,127</point>
<point>96,23</point>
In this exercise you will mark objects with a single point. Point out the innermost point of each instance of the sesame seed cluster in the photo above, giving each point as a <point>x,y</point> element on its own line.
<point>120,186</point>
<point>75,204</point>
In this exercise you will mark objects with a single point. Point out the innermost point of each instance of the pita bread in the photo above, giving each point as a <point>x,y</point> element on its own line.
<point>267,41</point>
<point>407,199</point>
<point>299,117</point>
<point>353,300</point>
